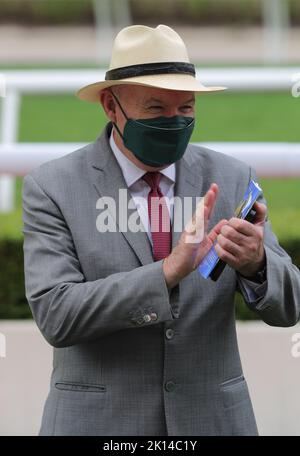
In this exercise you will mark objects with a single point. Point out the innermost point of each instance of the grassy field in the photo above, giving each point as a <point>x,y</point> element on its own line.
<point>220,117</point>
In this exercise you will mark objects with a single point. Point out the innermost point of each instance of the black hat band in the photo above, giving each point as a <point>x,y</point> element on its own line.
<point>147,69</point>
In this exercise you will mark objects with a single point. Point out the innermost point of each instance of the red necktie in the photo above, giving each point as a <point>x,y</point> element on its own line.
<point>159,217</point>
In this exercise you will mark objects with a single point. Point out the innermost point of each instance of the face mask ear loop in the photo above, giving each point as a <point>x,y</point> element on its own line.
<point>115,125</point>
<point>119,104</point>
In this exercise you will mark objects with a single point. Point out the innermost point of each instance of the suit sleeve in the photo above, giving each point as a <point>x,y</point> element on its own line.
<point>280,305</point>
<point>68,309</point>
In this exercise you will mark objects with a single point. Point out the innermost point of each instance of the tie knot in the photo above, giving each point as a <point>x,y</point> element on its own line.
<point>152,178</point>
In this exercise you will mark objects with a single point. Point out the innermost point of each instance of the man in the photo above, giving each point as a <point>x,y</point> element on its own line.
<point>143,345</point>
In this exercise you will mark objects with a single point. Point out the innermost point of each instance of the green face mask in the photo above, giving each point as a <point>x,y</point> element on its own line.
<point>157,141</point>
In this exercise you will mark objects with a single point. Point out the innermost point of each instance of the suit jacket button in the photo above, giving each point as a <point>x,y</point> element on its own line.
<point>147,318</point>
<point>153,316</point>
<point>169,333</point>
<point>170,386</point>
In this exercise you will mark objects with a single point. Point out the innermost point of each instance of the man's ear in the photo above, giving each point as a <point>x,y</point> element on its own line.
<point>108,103</point>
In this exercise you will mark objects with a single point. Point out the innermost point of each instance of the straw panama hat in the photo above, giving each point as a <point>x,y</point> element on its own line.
<point>153,57</point>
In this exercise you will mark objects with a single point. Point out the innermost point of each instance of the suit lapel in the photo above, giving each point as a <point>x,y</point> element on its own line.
<point>107,178</point>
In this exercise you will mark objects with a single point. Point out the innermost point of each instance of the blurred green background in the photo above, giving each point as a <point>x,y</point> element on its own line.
<point>243,12</point>
<point>220,117</point>
<point>270,116</point>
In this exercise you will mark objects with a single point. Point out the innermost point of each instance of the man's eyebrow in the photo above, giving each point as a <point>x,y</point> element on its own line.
<point>153,100</point>
<point>157,100</point>
<point>189,101</point>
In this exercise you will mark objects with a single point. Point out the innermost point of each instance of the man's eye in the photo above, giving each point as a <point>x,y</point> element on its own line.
<point>186,108</point>
<point>155,107</point>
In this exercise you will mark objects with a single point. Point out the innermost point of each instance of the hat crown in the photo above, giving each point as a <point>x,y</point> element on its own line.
<point>139,44</point>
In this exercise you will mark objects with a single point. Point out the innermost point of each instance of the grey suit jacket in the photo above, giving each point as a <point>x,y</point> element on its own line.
<point>114,372</point>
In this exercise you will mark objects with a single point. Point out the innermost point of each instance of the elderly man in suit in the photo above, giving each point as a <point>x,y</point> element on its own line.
<point>143,345</point>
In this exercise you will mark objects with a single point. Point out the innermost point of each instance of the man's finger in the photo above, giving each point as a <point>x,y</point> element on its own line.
<point>201,216</point>
<point>261,212</point>
<point>242,226</point>
<point>233,235</point>
<point>216,230</point>
<point>210,199</point>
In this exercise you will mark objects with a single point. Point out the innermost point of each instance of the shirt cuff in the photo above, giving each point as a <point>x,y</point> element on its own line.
<point>253,292</point>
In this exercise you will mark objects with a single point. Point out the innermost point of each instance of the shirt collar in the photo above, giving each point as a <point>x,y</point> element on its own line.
<point>131,172</point>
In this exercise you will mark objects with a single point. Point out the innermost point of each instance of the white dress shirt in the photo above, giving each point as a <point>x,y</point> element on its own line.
<point>139,190</point>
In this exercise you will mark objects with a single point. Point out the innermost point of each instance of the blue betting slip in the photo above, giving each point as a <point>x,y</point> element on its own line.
<point>211,259</point>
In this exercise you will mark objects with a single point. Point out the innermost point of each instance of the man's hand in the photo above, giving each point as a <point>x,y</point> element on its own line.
<point>240,243</point>
<point>192,248</point>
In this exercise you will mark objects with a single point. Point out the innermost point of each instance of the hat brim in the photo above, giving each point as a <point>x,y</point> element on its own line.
<point>182,82</point>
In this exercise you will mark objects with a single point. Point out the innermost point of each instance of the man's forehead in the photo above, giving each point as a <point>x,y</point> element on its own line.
<point>153,94</point>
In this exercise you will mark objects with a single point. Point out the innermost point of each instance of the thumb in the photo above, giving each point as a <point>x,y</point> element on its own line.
<point>261,213</point>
